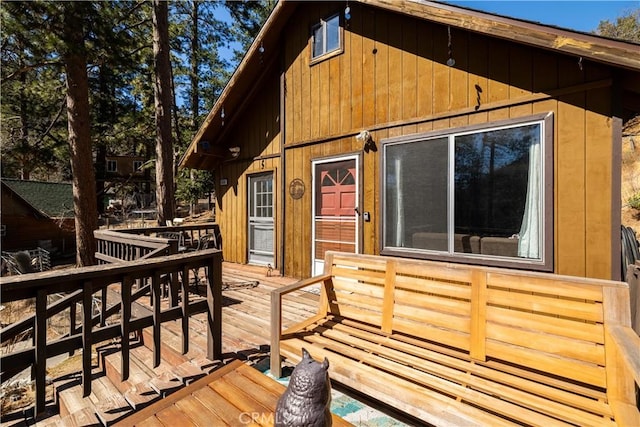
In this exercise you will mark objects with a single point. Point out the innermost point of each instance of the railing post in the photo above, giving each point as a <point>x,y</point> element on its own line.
<point>41,350</point>
<point>87,338</point>
<point>103,306</point>
<point>125,326</point>
<point>155,296</point>
<point>72,324</point>
<point>185,309</point>
<point>214,303</point>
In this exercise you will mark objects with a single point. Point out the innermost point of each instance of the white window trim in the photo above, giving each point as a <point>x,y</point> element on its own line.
<point>115,166</point>
<point>325,54</point>
<point>545,263</point>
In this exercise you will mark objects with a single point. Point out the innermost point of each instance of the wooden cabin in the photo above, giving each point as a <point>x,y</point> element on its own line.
<point>37,214</point>
<point>421,130</point>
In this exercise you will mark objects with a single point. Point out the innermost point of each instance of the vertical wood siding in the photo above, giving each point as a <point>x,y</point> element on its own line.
<point>393,69</point>
<point>258,135</point>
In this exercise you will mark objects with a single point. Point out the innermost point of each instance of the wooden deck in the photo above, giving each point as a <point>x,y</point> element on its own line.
<point>245,314</point>
<point>246,309</point>
<point>234,394</point>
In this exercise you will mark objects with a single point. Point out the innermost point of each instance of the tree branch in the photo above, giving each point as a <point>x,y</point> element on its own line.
<point>29,68</point>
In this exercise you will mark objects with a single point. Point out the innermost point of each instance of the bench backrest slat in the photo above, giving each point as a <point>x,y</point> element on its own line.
<point>545,322</point>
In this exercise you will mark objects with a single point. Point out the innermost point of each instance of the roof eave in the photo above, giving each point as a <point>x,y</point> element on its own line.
<point>251,64</point>
<point>581,45</point>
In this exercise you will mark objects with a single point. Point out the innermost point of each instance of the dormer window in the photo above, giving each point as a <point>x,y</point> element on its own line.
<point>326,37</point>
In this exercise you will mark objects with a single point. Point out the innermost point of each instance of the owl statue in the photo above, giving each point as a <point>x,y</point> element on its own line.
<point>306,402</point>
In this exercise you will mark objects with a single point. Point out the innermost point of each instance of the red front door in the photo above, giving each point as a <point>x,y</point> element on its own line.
<point>335,216</point>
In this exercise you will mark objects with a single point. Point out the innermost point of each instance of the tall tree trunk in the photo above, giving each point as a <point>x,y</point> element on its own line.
<point>84,186</point>
<point>195,82</point>
<point>104,114</point>
<point>195,65</point>
<point>164,147</point>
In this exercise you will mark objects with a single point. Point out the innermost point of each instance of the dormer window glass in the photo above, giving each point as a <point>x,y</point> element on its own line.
<point>326,36</point>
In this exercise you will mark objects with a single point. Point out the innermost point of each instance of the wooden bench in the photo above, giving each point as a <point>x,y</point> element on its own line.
<point>454,344</point>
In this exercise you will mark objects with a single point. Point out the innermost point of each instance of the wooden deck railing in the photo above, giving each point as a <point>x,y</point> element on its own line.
<point>146,277</point>
<point>129,244</point>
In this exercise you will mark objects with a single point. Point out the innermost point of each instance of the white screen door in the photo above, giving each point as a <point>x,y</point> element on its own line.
<point>335,221</point>
<point>261,229</point>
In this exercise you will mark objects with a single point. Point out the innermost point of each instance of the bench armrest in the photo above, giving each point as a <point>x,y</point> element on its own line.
<point>276,317</point>
<point>625,354</point>
<point>627,344</point>
<point>300,284</point>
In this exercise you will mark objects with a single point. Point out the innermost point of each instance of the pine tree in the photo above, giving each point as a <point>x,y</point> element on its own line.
<point>164,146</point>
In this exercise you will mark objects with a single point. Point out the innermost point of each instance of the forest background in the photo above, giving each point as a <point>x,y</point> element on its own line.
<point>85,80</point>
<point>81,81</point>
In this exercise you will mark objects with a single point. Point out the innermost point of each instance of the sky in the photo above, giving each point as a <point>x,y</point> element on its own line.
<point>576,15</point>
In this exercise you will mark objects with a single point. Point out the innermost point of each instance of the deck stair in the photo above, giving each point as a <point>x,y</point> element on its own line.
<point>112,399</point>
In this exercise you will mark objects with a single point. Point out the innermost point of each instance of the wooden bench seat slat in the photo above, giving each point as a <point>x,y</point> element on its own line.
<point>493,364</point>
<point>565,347</point>
<point>443,386</point>
<point>464,373</point>
<point>563,286</point>
<point>445,336</point>
<point>436,270</point>
<point>367,316</point>
<point>435,287</point>
<point>358,300</point>
<point>373,264</point>
<point>544,362</point>
<point>420,402</point>
<point>367,289</point>
<point>432,302</point>
<point>490,345</point>
<point>565,393</point>
<point>586,331</point>
<point>551,306</point>
<point>433,317</point>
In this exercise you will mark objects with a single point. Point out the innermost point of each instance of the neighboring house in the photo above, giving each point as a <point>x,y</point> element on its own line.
<point>127,177</point>
<point>420,129</point>
<point>37,214</point>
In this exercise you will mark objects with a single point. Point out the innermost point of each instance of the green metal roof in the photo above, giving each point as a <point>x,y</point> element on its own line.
<point>53,199</point>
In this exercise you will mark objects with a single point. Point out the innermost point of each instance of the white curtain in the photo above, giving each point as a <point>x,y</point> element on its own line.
<point>529,243</point>
<point>399,206</point>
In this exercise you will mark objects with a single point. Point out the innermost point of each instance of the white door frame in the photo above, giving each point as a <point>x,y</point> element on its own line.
<point>317,266</point>
<point>260,223</point>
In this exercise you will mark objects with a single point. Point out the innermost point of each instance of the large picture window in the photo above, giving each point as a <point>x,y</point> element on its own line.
<point>481,194</point>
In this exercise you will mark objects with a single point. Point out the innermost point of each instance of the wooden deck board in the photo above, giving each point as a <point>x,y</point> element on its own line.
<point>235,394</point>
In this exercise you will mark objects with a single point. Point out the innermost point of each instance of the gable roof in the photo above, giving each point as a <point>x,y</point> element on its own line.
<point>613,52</point>
<point>51,199</point>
